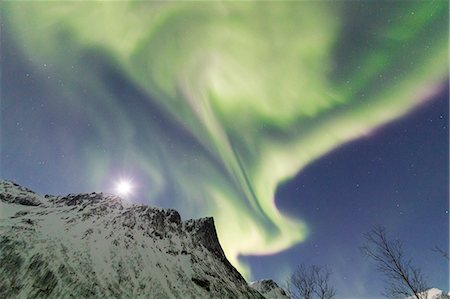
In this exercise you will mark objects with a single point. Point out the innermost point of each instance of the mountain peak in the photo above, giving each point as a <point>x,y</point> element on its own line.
<point>269,289</point>
<point>12,192</point>
<point>97,245</point>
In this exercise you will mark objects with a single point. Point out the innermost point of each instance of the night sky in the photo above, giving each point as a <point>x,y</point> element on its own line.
<point>398,178</point>
<point>297,125</point>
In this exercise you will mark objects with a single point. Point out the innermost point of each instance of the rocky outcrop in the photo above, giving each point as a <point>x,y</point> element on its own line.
<point>14,193</point>
<point>97,245</point>
<point>269,289</point>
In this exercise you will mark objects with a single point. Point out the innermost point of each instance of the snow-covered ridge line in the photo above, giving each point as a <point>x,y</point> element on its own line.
<point>269,289</point>
<point>97,245</point>
<point>14,193</point>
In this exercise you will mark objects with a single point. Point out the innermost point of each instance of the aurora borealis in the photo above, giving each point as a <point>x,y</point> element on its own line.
<point>210,106</point>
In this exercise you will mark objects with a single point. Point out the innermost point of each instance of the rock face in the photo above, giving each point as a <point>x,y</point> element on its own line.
<point>269,289</point>
<point>97,245</point>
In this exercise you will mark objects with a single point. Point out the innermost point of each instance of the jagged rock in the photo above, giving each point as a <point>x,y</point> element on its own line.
<point>269,289</point>
<point>98,246</point>
<point>13,193</point>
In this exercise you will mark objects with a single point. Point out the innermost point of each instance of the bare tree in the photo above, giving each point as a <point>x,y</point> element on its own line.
<point>402,278</point>
<point>441,251</point>
<point>310,283</point>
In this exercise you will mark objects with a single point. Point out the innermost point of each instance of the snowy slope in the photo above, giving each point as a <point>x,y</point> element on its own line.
<point>269,289</point>
<point>433,293</point>
<point>96,245</point>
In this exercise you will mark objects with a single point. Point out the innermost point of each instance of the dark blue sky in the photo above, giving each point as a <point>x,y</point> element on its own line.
<point>396,177</point>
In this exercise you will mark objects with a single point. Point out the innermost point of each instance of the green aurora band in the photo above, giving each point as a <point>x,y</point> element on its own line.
<point>257,90</point>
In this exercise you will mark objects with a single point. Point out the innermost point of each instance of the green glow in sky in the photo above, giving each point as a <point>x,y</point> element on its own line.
<point>258,90</point>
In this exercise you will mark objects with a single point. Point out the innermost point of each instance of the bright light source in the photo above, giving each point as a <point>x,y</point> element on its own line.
<point>124,187</point>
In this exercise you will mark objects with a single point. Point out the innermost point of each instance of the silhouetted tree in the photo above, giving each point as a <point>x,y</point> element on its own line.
<point>310,283</point>
<point>402,278</point>
<point>441,252</point>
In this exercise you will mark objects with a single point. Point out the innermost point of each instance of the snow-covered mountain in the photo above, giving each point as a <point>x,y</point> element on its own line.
<point>97,245</point>
<point>433,293</point>
<point>269,289</point>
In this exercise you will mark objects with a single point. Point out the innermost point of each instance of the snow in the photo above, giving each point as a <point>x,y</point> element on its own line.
<point>97,245</point>
<point>269,289</point>
<point>433,293</point>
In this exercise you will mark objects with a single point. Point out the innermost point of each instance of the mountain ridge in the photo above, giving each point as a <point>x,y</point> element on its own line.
<point>96,244</point>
